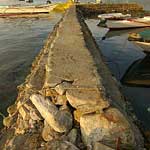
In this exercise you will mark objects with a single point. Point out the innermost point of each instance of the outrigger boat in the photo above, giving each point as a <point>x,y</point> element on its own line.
<point>13,10</point>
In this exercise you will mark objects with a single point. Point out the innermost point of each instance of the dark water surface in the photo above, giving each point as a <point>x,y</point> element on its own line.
<point>120,54</point>
<point>20,41</point>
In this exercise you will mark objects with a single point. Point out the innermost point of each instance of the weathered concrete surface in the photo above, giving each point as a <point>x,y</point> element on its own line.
<point>70,67</point>
<point>75,59</point>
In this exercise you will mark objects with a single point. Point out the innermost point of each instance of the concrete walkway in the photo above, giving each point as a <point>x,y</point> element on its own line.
<point>75,69</point>
<point>70,100</point>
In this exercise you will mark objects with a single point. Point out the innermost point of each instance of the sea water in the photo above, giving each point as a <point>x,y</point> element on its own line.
<point>21,39</point>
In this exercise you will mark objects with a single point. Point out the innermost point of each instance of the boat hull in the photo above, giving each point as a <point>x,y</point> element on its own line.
<point>27,9</point>
<point>125,24</point>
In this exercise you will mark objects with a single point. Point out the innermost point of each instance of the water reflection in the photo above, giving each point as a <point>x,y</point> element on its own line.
<point>138,73</point>
<point>120,54</point>
<point>21,40</point>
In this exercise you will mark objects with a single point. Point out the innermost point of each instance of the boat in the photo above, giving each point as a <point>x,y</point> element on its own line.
<point>125,24</point>
<point>145,19</point>
<point>138,74</point>
<point>113,16</point>
<point>31,9</point>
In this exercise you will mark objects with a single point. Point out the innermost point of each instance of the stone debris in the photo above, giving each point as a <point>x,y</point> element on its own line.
<point>60,121</point>
<point>61,100</point>
<point>61,88</point>
<point>100,146</point>
<point>72,136</point>
<point>21,125</point>
<point>24,113</point>
<point>35,115</point>
<point>69,101</point>
<point>110,124</point>
<point>48,133</point>
<point>12,109</point>
<point>60,145</point>
<point>8,121</point>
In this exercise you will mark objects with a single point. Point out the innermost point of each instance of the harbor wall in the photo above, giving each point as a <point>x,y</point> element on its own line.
<point>70,99</point>
<point>96,9</point>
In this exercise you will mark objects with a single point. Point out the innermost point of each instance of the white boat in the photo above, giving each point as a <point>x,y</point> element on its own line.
<point>26,9</point>
<point>143,20</point>
<point>125,24</point>
<point>114,16</point>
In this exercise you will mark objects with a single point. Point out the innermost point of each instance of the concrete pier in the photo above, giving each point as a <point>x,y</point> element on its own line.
<point>96,9</point>
<point>70,100</point>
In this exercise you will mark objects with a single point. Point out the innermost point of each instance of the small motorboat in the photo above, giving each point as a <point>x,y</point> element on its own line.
<point>145,19</point>
<point>30,9</point>
<point>125,24</point>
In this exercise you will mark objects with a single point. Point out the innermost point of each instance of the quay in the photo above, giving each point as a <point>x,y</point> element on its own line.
<point>96,9</point>
<point>70,101</point>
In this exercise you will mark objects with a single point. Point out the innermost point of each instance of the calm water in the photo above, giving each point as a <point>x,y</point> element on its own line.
<point>20,41</point>
<point>120,54</point>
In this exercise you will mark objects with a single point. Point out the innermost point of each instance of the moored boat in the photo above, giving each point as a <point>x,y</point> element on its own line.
<point>125,24</point>
<point>145,19</point>
<point>6,10</point>
<point>114,16</point>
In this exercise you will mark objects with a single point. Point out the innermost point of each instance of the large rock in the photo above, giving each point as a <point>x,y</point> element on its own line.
<point>109,125</point>
<point>80,97</point>
<point>60,121</point>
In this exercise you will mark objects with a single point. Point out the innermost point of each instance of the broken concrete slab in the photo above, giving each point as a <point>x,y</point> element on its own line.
<point>78,97</point>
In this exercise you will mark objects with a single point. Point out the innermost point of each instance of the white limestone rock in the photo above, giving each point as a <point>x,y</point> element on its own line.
<point>60,121</point>
<point>108,125</point>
